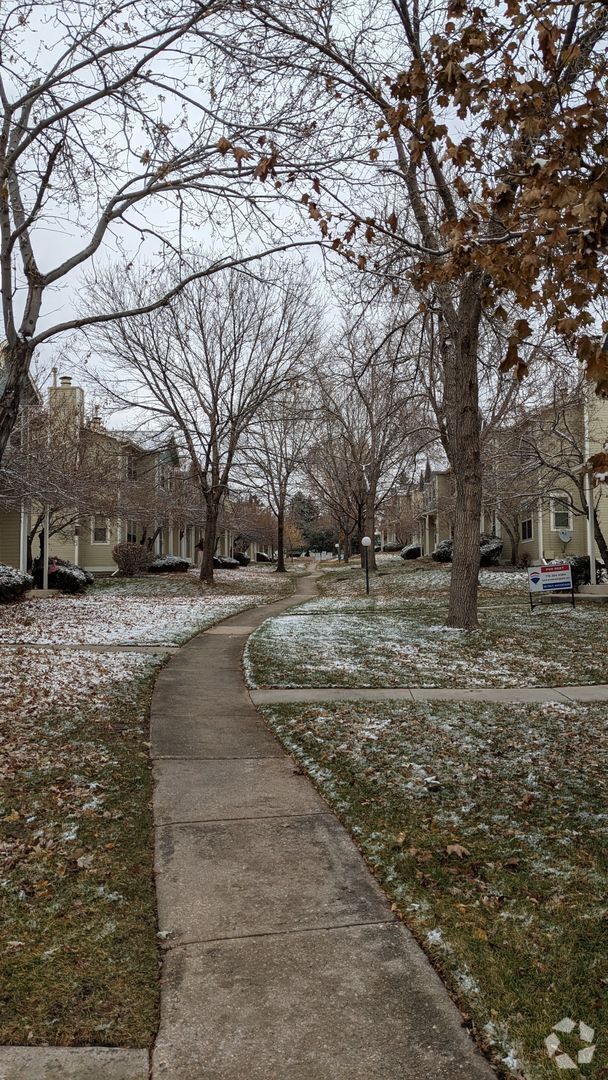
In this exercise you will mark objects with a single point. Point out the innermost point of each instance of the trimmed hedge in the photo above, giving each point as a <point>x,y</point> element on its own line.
<point>13,583</point>
<point>63,575</point>
<point>490,548</point>
<point>168,564</point>
<point>443,552</point>
<point>411,551</point>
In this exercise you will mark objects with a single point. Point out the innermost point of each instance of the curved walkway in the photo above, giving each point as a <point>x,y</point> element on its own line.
<point>282,958</point>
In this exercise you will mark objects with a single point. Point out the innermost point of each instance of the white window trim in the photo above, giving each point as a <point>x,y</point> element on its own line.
<point>108,539</point>
<point>562,497</point>
<point>530,538</point>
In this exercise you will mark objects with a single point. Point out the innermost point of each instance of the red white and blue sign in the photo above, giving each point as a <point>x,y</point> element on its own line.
<point>555,576</point>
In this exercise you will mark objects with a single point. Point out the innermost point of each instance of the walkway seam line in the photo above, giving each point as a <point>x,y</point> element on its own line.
<point>257,817</point>
<point>393,921</point>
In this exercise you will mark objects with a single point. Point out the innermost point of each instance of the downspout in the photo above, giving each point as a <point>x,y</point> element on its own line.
<point>589,494</point>
<point>541,534</point>
<point>45,563</point>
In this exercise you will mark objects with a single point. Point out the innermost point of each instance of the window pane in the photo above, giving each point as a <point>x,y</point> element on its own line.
<point>100,530</point>
<point>561,516</point>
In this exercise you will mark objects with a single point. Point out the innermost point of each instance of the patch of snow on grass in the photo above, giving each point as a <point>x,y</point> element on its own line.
<point>42,678</point>
<point>110,618</point>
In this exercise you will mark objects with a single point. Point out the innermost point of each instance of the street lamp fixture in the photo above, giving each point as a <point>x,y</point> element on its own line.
<point>366,544</point>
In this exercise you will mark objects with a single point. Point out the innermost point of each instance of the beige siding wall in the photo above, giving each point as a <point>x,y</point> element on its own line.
<point>96,556</point>
<point>598,422</point>
<point>62,545</point>
<point>9,538</point>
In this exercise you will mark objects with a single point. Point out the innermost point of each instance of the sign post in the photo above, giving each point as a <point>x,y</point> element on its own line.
<point>556,577</point>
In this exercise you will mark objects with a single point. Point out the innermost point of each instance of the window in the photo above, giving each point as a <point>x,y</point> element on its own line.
<point>131,532</point>
<point>131,467</point>
<point>165,478</point>
<point>100,529</point>
<point>561,516</point>
<point>526,529</point>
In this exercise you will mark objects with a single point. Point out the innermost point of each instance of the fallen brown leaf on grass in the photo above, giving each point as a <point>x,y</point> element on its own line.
<point>457,849</point>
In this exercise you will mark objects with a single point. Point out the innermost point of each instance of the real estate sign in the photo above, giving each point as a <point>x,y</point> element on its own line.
<point>556,577</point>
<point>547,578</point>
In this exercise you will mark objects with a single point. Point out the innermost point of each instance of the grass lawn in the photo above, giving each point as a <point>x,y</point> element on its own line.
<point>79,960</point>
<point>397,636</point>
<point>487,827</point>
<point>153,610</point>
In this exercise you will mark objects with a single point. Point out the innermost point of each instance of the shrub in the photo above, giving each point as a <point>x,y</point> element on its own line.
<point>131,558</point>
<point>443,551</point>
<point>490,548</point>
<point>70,566</point>
<point>580,566</point>
<point>242,558</point>
<point>13,583</point>
<point>168,564</point>
<point>222,562</point>
<point>63,575</point>
<point>411,551</point>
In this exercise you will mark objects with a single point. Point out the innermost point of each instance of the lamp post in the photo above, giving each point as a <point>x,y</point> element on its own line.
<point>366,544</point>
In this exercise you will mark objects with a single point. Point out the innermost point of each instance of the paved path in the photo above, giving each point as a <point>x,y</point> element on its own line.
<point>283,960</point>
<point>415,693</point>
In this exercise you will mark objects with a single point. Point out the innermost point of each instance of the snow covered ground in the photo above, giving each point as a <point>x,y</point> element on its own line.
<point>108,618</point>
<point>390,642</point>
<point>147,611</point>
<point>35,681</point>
<point>399,579</point>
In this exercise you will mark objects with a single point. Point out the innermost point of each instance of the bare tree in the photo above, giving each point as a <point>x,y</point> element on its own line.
<point>277,449</point>
<point>468,176</point>
<point>119,127</point>
<point>370,399</point>
<point>336,478</point>
<point>207,365</point>
<point>251,520</point>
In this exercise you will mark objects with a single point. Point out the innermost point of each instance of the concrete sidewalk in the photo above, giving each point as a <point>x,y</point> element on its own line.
<point>283,960</point>
<point>524,694</point>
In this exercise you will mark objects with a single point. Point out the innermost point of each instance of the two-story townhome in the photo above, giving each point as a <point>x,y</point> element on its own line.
<point>536,489</point>
<point>89,487</point>
<point>536,483</point>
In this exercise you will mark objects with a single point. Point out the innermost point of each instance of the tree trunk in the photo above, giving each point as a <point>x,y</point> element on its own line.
<point>209,539</point>
<point>463,445</point>
<point>30,555</point>
<point>281,541</point>
<point>16,366</point>
<point>31,536</point>
<point>600,540</point>
<point>513,535</point>
<point>368,530</point>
